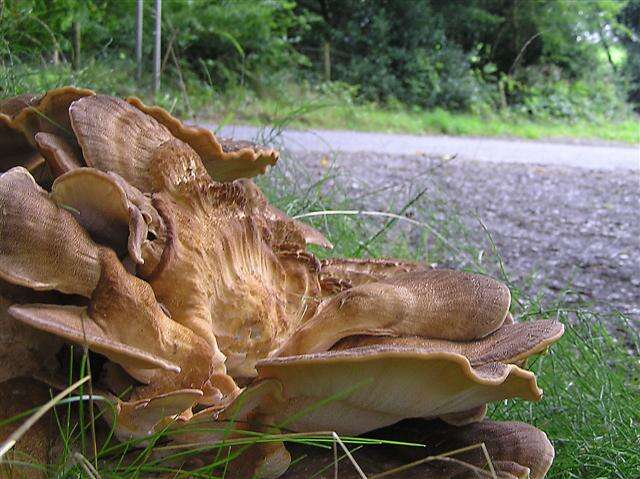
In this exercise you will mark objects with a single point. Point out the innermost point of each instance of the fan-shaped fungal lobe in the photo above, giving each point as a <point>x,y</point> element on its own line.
<point>16,150</point>
<point>116,137</point>
<point>378,381</point>
<point>437,304</point>
<point>42,247</point>
<point>50,113</point>
<point>226,160</point>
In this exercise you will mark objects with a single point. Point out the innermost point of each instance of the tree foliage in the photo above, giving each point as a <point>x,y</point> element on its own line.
<point>629,33</point>
<point>539,56</point>
<point>442,52</point>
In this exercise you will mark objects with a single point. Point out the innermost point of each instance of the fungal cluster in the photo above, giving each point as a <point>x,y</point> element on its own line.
<point>124,231</point>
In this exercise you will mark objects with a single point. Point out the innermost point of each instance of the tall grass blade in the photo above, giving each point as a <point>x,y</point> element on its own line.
<point>15,436</point>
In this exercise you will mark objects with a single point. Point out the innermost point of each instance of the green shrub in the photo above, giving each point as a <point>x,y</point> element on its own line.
<point>543,59</point>
<point>630,37</point>
<point>543,93</point>
<point>234,41</point>
<point>393,50</point>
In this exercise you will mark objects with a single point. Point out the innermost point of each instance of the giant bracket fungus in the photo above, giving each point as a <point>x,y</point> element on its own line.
<point>145,240</point>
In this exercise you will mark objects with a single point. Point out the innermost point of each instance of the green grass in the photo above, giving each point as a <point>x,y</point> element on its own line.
<point>591,406</point>
<point>330,114</point>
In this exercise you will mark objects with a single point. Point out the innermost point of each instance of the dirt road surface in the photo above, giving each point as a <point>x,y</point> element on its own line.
<point>600,156</point>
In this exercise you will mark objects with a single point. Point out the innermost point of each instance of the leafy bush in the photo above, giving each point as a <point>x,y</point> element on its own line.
<point>224,41</point>
<point>543,58</point>
<point>233,41</point>
<point>391,50</point>
<point>543,93</point>
<point>630,38</point>
<point>481,55</point>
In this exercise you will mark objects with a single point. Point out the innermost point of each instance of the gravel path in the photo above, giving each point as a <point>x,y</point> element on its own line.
<point>601,156</point>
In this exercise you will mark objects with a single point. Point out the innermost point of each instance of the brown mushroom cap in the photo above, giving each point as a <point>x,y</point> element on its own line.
<point>509,344</point>
<point>516,451</point>
<point>433,303</point>
<point>13,106</point>
<point>42,247</point>
<point>379,383</point>
<point>15,150</point>
<point>97,203</point>
<point>138,419</point>
<point>61,155</point>
<point>44,124</point>
<point>75,325</point>
<point>50,113</point>
<point>226,160</point>
<point>113,212</point>
<point>389,386</point>
<point>114,136</point>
